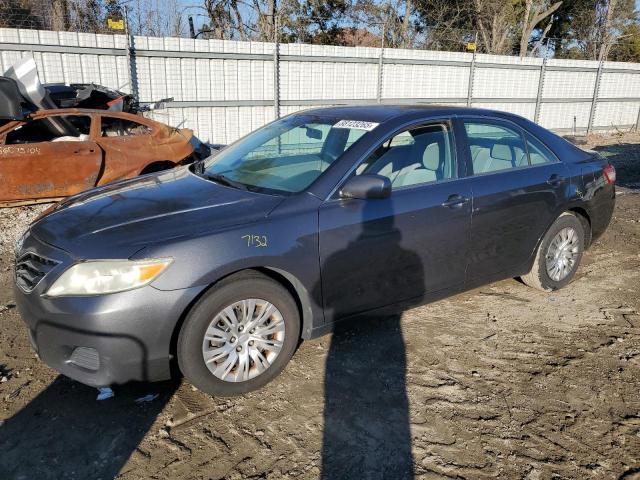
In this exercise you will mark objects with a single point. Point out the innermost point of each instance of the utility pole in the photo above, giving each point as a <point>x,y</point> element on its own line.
<point>276,66</point>
<point>192,30</point>
<point>472,70</point>
<point>381,65</point>
<point>131,56</point>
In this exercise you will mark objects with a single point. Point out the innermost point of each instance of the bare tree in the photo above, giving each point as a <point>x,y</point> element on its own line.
<point>157,18</point>
<point>392,18</point>
<point>597,27</point>
<point>543,36</point>
<point>496,22</point>
<point>266,20</point>
<point>609,33</point>
<point>534,12</point>
<point>59,14</point>
<point>406,24</point>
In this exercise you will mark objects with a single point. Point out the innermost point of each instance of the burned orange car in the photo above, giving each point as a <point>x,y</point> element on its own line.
<point>51,154</point>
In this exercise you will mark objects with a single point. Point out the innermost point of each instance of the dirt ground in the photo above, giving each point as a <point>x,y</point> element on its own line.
<point>503,381</point>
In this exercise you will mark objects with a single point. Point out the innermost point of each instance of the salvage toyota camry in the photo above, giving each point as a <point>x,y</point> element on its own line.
<point>222,267</point>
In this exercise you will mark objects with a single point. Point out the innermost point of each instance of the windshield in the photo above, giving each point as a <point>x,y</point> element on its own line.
<point>285,156</point>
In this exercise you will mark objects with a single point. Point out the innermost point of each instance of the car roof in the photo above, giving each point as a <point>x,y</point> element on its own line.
<point>383,112</point>
<point>82,111</point>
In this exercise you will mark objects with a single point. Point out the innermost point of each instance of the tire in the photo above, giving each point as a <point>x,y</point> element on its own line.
<point>545,279</point>
<point>248,368</point>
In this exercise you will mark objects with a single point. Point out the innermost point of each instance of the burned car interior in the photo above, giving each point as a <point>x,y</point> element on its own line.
<point>40,131</point>
<point>119,127</point>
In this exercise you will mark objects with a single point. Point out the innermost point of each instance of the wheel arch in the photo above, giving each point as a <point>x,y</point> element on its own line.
<point>585,219</point>
<point>289,281</point>
<point>299,293</point>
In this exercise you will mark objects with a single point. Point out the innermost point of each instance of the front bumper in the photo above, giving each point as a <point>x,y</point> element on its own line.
<point>102,340</point>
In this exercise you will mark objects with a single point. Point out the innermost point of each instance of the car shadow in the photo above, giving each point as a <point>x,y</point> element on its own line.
<point>366,413</point>
<point>625,157</point>
<point>84,438</point>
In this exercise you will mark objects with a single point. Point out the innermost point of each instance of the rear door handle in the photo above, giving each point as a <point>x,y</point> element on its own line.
<point>83,151</point>
<point>455,201</point>
<point>555,180</point>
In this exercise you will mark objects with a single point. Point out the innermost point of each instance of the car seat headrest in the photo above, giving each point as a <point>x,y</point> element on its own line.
<point>500,151</point>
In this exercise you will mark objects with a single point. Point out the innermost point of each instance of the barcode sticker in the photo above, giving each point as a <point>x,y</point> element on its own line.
<point>356,124</point>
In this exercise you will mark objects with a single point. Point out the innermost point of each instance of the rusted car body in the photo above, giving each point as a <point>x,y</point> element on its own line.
<point>37,164</point>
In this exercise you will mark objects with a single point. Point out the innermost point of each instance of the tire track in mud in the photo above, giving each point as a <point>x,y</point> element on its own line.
<point>537,400</point>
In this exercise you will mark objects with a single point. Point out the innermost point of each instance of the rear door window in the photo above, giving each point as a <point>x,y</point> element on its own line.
<point>494,147</point>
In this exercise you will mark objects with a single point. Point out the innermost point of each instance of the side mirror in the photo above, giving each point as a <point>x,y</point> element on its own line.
<point>366,186</point>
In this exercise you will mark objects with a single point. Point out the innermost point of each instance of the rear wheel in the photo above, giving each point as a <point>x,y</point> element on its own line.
<point>239,336</point>
<point>558,255</point>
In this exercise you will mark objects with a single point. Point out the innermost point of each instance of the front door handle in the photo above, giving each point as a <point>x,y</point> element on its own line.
<point>84,151</point>
<point>555,180</point>
<point>455,201</point>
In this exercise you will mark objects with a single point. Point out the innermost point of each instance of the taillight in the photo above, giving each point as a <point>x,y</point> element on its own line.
<point>609,173</point>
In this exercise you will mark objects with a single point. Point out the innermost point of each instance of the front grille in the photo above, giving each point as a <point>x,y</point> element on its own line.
<point>30,269</point>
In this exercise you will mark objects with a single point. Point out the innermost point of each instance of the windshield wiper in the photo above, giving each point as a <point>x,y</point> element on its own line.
<point>219,178</point>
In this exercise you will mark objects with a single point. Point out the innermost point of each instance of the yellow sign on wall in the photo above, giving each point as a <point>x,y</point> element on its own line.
<point>115,24</point>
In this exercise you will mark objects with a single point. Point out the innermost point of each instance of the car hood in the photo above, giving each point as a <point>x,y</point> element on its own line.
<point>119,219</point>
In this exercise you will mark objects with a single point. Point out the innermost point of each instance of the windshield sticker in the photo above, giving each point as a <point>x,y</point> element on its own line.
<point>356,124</point>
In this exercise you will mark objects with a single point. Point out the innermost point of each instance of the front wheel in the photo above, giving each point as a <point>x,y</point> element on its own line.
<point>558,255</point>
<point>239,335</point>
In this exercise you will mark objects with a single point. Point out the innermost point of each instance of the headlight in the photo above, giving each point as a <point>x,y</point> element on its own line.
<point>107,276</point>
